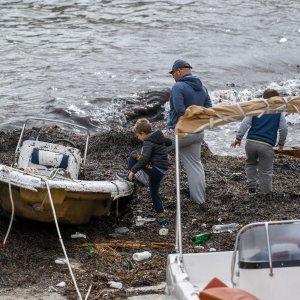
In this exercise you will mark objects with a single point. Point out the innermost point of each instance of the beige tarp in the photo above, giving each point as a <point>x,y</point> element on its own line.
<point>197,118</point>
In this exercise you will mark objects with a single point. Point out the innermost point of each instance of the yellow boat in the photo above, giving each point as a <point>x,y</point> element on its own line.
<point>44,182</point>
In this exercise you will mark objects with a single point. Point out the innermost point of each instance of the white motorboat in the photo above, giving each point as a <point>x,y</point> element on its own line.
<point>46,172</point>
<point>264,265</point>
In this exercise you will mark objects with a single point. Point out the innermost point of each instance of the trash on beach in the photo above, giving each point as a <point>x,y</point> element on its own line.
<point>115,284</point>
<point>212,249</point>
<point>61,284</point>
<point>52,289</point>
<point>78,235</point>
<point>220,228</point>
<point>121,230</point>
<point>60,261</point>
<point>163,231</point>
<point>200,238</point>
<point>90,249</point>
<point>140,221</point>
<point>199,247</point>
<point>139,256</point>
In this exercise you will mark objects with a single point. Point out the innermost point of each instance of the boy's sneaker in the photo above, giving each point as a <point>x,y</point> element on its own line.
<point>163,220</point>
<point>142,177</point>
<point>124,177</point>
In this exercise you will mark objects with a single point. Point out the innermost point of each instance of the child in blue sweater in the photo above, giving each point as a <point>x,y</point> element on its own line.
<point>262,136</point>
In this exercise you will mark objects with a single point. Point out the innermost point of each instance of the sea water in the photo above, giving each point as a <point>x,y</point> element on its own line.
<point>84,61</point>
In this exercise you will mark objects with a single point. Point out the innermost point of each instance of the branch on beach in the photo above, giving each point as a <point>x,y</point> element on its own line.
<point>130,244</point>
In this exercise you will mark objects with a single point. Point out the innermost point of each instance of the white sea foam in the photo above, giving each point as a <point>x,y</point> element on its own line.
<point>283,40</point>
<point>220,138</point>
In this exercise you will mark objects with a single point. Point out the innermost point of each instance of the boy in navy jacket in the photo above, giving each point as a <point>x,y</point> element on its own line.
<point>150,164</point>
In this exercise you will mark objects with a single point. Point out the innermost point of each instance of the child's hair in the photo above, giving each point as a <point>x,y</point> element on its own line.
<point>142,125</point>
<point>268,93</point>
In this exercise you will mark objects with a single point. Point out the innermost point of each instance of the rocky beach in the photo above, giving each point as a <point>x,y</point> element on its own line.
<point>28,259</point>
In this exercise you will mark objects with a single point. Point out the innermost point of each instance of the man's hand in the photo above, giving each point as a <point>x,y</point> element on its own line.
<point>280,149</point>
<point>235,143</point>
<point>166,133</point>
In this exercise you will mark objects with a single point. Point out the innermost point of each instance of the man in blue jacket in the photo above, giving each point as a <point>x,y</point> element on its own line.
<point>262,136</point>
<point>188,90</point>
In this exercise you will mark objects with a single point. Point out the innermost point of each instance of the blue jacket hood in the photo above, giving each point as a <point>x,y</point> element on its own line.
<point>192,81</point>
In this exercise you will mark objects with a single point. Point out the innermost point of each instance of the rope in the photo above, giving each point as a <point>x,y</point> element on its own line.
<point>88,292</point>
<point>290,100</point>
<point>12,211</point>
<point>117,197</point>
<point>58,231</point>
<point>61,240</point>
<point>241,109</point>
<point>211,123</point>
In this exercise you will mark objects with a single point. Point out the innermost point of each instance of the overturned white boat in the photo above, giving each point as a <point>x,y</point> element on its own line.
<point>46,172</point>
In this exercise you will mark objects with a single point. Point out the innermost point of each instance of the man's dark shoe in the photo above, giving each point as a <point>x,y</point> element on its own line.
<point>252,191</point>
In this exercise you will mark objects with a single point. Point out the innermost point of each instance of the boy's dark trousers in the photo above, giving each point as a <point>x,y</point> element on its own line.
<point>155,177</point>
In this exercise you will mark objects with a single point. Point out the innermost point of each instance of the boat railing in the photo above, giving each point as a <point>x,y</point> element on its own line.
<point>54,173</point>
<point>44,120</point>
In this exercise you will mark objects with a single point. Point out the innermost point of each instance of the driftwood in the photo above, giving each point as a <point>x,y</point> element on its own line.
<point>130,244</point>
<point>198,118</point>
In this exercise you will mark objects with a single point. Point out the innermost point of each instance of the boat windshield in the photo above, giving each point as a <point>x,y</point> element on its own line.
<point>284,241</point>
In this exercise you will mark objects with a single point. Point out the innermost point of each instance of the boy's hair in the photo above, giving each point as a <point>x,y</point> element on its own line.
<point>268,93</point>
<point>142,125</point>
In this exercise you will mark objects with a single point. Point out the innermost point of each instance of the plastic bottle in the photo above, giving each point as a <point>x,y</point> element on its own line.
<point>139,256</point>
<point>199,238</point>
<point>141,221</point>
<point>90,249</point>
<point>78,235</point>
<point>225,228</point>
<point>60,261</point>
<point>115,284</point>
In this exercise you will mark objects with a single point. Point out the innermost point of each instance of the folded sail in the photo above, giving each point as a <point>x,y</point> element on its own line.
<point>197,118</point>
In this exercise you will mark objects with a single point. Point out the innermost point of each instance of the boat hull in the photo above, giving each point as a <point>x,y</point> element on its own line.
<point>75,201</point>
